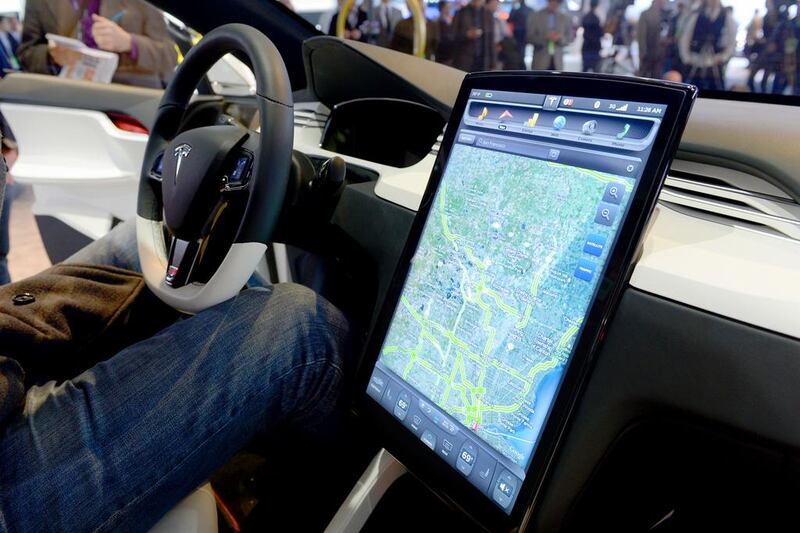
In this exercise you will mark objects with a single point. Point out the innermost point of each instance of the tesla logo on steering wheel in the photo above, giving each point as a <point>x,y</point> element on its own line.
<point>181,152</point>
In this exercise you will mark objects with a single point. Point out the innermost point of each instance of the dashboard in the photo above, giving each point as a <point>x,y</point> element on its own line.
<point>389,131</point>
<point>693,256</point>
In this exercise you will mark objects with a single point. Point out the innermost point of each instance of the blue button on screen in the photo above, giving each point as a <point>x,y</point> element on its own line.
<point>585,270</point>
<point>595,244</point>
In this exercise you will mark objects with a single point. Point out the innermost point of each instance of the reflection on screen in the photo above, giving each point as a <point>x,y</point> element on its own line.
<point>504,274</point>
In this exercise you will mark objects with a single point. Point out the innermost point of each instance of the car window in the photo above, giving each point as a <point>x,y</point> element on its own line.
<point>719,45</point>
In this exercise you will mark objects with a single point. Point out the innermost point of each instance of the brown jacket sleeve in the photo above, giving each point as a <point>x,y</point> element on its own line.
<point>32,51</point>
<point>155,49</point>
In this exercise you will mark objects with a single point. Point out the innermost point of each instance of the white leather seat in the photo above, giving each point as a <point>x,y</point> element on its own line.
<point>197,513</point>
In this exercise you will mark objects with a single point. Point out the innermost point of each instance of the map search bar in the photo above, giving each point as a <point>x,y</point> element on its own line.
<point>575,157</point>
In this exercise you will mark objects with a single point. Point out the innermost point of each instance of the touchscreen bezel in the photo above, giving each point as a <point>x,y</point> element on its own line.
<point>396,438</point>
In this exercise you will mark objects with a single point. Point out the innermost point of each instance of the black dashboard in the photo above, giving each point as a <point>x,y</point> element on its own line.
<point>388,131</point>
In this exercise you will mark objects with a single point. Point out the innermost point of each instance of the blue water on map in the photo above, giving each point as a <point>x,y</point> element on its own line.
<point>545,393</point>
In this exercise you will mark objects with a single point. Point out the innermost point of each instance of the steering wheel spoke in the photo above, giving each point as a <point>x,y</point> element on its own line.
<point>182,258</point>
<point>237,176</point>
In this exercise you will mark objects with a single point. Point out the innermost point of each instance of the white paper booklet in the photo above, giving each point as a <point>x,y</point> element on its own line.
<point>92,65</point>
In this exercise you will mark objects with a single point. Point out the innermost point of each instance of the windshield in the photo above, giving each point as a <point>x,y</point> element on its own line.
<point>736,46</point>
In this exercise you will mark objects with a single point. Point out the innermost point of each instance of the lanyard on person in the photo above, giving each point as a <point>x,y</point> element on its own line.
<point>80,8</point>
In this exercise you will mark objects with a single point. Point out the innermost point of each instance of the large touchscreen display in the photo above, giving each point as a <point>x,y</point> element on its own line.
<point>529,206</point>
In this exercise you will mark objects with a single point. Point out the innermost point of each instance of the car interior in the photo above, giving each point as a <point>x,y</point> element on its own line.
<point>688,417</point>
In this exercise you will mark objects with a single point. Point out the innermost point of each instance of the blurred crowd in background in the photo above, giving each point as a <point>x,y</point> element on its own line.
<point>697,41</point>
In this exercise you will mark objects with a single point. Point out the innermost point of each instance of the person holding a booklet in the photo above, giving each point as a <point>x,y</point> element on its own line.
<point>132,29</point>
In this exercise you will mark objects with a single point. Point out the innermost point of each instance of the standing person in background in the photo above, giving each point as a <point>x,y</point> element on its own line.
<point>9,44</point>
<point>444,52</point>
<point>9,150</point>
<point>388,17</point>
<point>785,41</point>
<point>356,20</point>
<point>592,35</point>
<point>549,30</point>
<point>791,49</point>
<point>500,27</point>
<point>649,33</point>
<point>133,29</point>
<point>707,44</point>
<point>672,56</point>
<point>754,30</point>
<point>508,56</point>
<point>8,61</point>
<point>764,53</point>
<point>473,36</point>
<point>519,23</point>
<point>403,35</point>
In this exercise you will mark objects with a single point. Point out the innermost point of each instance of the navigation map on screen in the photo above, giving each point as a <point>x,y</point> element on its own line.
<point>505,271</point>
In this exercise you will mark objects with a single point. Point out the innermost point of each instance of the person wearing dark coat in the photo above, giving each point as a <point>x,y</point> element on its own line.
<point>473,35</point>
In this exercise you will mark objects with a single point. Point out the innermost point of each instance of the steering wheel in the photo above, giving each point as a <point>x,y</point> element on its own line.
<point>210,197</point>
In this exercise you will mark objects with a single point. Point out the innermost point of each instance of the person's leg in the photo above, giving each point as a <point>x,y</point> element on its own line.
<point>594,60</point>
<point>5,241</point>
<point>116,248</point>
<point>121,444</point>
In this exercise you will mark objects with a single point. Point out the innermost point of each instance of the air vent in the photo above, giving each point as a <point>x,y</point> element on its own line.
<point>731,204</point>
<point>309,118</point>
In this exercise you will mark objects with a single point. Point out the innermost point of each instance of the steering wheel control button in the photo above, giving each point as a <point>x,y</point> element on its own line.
<point>172,273</point>
<point>158,167</point>
<point>182,255</point>
<point>239,175</point>
<point>24,298</point>
<point>466,458</point>
<point>505,488</point>
<point>402,405</point>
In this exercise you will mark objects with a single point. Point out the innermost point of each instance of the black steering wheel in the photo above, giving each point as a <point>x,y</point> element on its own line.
<point>210,197</point>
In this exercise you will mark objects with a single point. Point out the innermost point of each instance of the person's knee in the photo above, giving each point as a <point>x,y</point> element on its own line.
<point>307,339</point>
<point>298,324</point>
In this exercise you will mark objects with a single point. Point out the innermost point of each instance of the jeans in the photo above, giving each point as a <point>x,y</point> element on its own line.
<point>116,447</point>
